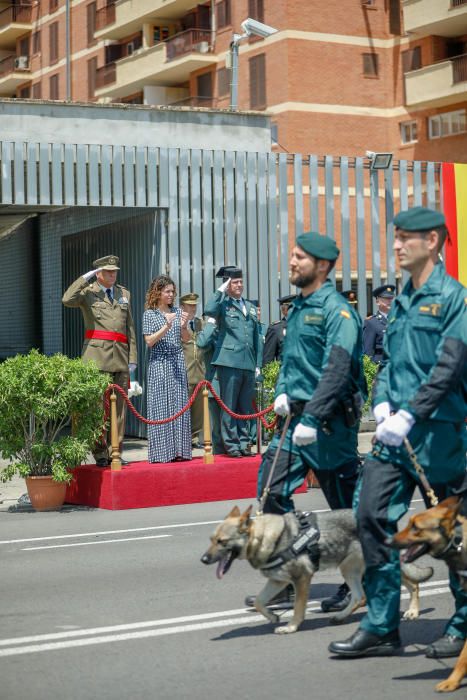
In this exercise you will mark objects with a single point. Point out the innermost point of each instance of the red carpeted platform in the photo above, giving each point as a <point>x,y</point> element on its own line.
<point>144,485</point>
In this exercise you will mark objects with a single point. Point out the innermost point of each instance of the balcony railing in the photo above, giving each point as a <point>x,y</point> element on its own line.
<point>196,101</point>
<point>106,75</point>
<point>458,3</point>
<point>15,13</point>
<point>11,64</point>
<point>105,16</point>
<point>459,68</point>
<point>192,40</point>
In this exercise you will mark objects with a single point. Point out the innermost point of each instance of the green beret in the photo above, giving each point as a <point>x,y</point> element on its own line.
<point>419,219</point>
<point>321,247</point>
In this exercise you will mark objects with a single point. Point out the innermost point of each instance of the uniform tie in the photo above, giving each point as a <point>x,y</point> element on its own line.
<point>109,295</point>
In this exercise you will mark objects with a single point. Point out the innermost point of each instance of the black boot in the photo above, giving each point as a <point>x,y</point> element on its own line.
<point>444,647</point>
<point>338,601</point>
<point>285,596</point>
<point>363,643</point>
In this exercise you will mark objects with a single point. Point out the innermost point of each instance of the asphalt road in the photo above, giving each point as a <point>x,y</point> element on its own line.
<point>100,604</point>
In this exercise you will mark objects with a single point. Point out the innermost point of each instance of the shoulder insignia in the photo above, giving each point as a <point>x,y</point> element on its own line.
<point>345,313</point>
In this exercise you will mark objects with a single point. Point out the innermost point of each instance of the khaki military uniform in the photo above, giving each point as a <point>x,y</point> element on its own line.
<point>112,356</point>
<point>195,367</point>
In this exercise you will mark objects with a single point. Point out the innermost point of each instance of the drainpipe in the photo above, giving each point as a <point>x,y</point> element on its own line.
<point>213,25</point>
<point>68,50</point>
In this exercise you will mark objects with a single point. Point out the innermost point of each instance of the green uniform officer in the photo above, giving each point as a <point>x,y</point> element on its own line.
<point>236,356</point>
<point>195,368</point>
<point>321,383</point>
<point>109,332</point>
<point>420,394</point>
<point>206,341</point>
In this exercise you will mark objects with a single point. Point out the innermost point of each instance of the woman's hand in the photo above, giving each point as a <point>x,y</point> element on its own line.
<point>184,321</point>
<point>170,318</point>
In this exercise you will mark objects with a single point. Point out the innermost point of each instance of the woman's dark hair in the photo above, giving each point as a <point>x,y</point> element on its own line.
<point>155,288</point>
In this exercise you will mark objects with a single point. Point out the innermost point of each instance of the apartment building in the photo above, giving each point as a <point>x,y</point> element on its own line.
<point>338,77</point>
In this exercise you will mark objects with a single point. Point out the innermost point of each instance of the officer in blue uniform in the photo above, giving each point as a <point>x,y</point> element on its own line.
<point>236,356</point>
<point>275,333</point>
<point>420,394</point>
<point>374,327</point>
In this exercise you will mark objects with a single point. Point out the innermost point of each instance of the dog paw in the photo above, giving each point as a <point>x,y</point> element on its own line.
<point>286,629</point>
<point>447,686</point>
<point>335,620</point>
<point>410,615</point>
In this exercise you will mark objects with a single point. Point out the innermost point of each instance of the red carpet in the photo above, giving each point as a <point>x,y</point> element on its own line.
<point>144,485</point>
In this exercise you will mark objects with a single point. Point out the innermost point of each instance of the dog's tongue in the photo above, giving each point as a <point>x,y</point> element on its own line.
<point>220,569</point>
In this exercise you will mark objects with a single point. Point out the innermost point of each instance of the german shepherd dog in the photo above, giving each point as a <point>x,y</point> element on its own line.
<point>442,532</point>
<point>260,540</point>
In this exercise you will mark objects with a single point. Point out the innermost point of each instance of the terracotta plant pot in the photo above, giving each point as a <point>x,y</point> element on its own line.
<point>45,493</point>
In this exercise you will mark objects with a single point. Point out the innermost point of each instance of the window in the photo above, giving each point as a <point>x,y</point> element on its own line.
<point>412,59</point>
<point>36,91</point>
<point>256,10</point>
<point>24,46</point>
<point>53,42</point>
<point>370,64</point>
<point>160,34</point>
<point>223,14</point>
<point>91,21</point>
<point>223,82</point>
<point>36,42</point>
<point>53,87</point>
<point>92,68</point>
<point>204,85</point>
<point>25,92</point>
<point>408,131</point>
<point>53,5</point>
<point>447,124</point>
<point>257,67</point>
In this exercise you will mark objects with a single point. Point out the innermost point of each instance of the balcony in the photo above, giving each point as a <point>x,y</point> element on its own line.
<point>167,63</point>
<point>437,85</point>
<point>14,21</point>
<point>446,18</point>
<point>127,16</point>
<point>14,70</point>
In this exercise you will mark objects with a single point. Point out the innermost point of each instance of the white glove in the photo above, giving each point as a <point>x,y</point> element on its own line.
<point>282,405</point>
<point>211,320</point>
<point>224,286</point>
<point>394,429</point>
<point>135,389</point>
<point>304,435</point>
<point>382,411</point>
<point>257,372</point>
<point>87,275</point>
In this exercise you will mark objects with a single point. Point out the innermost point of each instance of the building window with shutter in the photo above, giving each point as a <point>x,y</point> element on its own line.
<point>91,20</point>
<point>224,18</point>
<point>256,10</point>
<point>36,42</point>
<point>257,67</point>
<point>36,91</point>
<point>25,92</point>
<point>223,82</point>
<point>53,5</point>
<point>53,87</point>
<point>92,68</point>
<point>53,42</point>
<point>409,131</point>
<point>370,65</point>
<point>412,59</point>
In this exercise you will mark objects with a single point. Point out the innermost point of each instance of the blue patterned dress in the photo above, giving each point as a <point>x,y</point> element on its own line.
<point>166,391</point>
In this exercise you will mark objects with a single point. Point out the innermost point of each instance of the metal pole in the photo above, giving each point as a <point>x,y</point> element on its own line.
<point>234,75</point>
<point>68,50</point>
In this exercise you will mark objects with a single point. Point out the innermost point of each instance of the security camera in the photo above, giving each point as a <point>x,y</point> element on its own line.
<point>252,26</point>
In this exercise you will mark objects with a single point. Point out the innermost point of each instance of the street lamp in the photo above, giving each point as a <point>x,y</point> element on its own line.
<point>250,27</point>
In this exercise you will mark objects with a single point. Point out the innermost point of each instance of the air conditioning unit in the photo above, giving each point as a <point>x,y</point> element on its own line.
<point>203,47</point>
<point>22,62</point>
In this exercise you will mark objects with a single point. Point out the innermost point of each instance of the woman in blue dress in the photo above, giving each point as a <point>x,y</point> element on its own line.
<point>164,326</point>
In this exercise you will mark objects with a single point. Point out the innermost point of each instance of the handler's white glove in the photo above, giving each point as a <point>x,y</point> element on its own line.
<point>135,389</point>
<point>257,372</point>
<point>87,275</point>
<point>282,405</point>
<point>382,411</point>
<point>304,435</point>
<point>394,429</point>
<point>224,286</point>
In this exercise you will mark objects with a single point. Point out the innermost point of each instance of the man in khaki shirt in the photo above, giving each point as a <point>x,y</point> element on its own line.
<point>109,333</point>
<point>195,366</point>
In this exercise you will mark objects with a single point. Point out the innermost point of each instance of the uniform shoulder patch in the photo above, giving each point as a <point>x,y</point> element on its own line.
<point>344,313</point>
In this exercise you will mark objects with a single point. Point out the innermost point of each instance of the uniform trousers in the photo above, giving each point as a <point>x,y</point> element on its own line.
<point>383,497</point>
<point>333,458</point>
<point>237,390</point>
<point>102,449</point>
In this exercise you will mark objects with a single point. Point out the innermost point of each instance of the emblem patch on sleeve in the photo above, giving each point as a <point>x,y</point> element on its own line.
<point>345,314</point>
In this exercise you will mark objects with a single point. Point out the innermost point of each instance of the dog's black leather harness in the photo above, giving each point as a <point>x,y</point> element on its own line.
<point>307,541</point>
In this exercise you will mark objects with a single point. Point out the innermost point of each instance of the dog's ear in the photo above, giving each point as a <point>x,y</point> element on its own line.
<point>234,513</point>
<point>245,518</point>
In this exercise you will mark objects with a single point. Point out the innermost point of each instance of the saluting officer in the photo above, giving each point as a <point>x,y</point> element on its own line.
<point>194,361</point>
<point>236,356</point>
<point>420,394</point>
<point>275,333</point>
<point>109,333</point>
<point>374,327</point>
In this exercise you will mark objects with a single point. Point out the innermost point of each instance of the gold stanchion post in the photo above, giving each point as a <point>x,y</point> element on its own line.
<point>116,463</point>
<point>208,456</point>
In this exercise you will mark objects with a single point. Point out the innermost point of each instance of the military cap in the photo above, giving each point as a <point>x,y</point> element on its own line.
<point>108,262</point>
<point>350,295</point>
<point>386,291</point>
<point>419,219</point>
<point>288,299</point>
<point>231,271</point>
<point>190,298</point>
<point>321,247</point>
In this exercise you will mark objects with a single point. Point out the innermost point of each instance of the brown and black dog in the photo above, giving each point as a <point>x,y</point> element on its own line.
<point>441,532</point>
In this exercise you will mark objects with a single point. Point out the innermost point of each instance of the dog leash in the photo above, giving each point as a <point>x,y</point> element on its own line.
<point>267,488</point>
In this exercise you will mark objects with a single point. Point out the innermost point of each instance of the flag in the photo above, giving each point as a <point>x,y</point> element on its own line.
<point>454,188</point>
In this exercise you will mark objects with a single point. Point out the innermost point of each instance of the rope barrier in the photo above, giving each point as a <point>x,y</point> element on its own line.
<point>162,421</point>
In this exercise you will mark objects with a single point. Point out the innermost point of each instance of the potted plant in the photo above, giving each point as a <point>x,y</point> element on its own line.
<point>40,397</point>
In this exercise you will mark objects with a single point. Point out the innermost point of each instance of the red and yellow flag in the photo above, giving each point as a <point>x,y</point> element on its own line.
<point>454,181</point>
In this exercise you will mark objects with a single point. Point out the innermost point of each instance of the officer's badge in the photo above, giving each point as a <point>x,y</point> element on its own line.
<point>314,319</point>
<point>123,300</point>
<point>431,309</point>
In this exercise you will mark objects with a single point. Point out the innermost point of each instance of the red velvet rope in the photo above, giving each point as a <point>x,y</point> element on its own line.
<point>203,383</point>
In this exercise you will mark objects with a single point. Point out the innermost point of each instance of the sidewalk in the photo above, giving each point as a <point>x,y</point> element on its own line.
<point>134,450</point>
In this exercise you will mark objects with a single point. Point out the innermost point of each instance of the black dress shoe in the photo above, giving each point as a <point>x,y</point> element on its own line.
<point>285,596</point>
<point>235,453</point>
<point>246,451</point>
<point>124,462</point>
<point>363,643</point>
<point>444,647</point>
<point>338,601</point>
<point>102,462</point>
